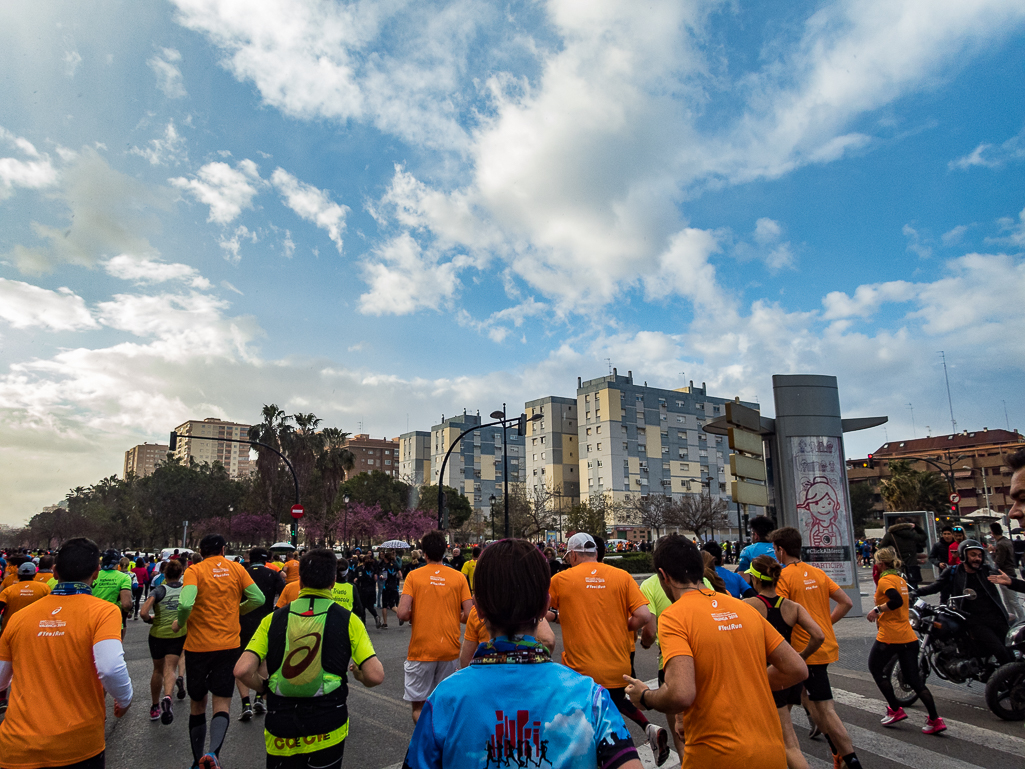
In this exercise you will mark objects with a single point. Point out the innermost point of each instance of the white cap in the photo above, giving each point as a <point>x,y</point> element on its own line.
<point>581,543</point>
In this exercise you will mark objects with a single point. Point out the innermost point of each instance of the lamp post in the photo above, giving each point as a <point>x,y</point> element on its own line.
<point>345,520</point>
<point>492,516</point>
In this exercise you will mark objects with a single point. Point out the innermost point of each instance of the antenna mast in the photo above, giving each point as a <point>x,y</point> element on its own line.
<point>950,403</point>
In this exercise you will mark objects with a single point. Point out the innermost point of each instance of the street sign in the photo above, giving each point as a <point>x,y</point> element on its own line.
<point>749,493</point>
<point>297,511</point>
<point>742,416</point>
<point>748,442</point>
<point>955,498</point>
<point>747,467</point>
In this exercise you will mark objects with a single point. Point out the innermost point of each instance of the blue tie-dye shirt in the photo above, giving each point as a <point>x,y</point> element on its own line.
<point>514,707</point>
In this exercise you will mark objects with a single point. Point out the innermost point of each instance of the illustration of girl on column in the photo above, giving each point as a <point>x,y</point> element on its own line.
<point>821,502</point>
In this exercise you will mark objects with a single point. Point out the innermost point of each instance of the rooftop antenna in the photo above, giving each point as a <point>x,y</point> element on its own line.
<point>886,435</point>
<point>950,403</point>
<point>1006,420</point>
<point>914,432</point>
<point>609,361</point>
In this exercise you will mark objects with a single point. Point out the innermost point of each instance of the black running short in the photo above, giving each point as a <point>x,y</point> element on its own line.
<point>329,758</point>
<point>212,672</point>
<point>817,684</point>
<point>390,598</point>
<point>161,647</point>
<point>99,761</point>
<point>789,696</point>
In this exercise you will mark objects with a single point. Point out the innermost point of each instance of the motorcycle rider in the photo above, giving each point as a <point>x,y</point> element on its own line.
<point>987,614</point>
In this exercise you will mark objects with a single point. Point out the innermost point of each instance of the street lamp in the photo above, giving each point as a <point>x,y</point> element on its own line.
<point>492,516</point>
<point>985,489</point>
<point>522,428</point>
<point>345,520</point>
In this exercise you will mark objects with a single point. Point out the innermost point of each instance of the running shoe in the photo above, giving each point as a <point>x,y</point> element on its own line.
<point>154,712</point>
<point>180,683</point>
<point>838,762</point>
<point>247,712</point>
<point>166,714</point>
<point>934,726</point>
<point>813,730</point>
<point>893,716</point>
<point>259,707</point>
<point>209,761</point>
<point>658,740</point>
<point>377,620</point>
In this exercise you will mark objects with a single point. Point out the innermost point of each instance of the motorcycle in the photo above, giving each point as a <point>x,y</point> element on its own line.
<point>947,651</point>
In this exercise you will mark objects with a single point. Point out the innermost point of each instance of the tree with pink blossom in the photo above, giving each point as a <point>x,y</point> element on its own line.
<point>408,525</point>
<point>358,523</point>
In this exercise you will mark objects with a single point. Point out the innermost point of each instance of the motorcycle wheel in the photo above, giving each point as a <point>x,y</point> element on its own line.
<point>1005,692</point>
<point>905,695</point>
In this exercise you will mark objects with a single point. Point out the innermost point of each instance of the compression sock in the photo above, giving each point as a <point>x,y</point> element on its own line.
<point>632,712</point>
<point>218,728</point>
<point>930,704</point>
<point>197,735</point>
<point>852,761</point>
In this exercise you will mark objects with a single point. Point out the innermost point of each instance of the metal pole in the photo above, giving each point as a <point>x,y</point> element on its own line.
<point>441,475</point>
<point>505,469</point>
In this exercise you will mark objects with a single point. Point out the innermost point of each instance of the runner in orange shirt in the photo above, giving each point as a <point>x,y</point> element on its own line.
<point>215,592</point>
<point>813,589</point>
<point>67,642</point>
<point>722,659</point>
<point>45,573</point>
<point>600,609</point>
<point>23,593</point>
<point>440,597</point>
<point>291,569</point>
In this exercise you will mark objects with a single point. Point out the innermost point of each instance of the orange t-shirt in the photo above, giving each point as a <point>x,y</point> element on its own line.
<point>291,572</point>
<point>475,631</point>
<point>273,565</point>
<point>289,594</point>
<point>595,602</point>
<point>894,626</point>
<point>438,592</point>
<point>10,579</point>
<point>50,646</point>
<point>43,576</point>
<point>213,624</point>
<point>733,722</point>
<point>22,594</point>
<point>811,587</point>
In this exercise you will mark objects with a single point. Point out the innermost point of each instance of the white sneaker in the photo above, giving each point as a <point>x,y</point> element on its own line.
<point>658,740</point>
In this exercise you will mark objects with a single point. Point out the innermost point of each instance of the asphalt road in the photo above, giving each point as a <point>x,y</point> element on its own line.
<point>380,722</point>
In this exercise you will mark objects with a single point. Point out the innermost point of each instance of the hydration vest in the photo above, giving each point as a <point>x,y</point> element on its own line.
<point>308,656</point>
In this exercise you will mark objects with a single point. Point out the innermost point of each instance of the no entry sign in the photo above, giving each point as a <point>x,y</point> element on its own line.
<point>297,511</point>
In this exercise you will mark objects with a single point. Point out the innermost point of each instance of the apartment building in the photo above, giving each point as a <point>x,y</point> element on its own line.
<point>415,457</point>
<point>234,456</point>
<point>552,450</point>
<point>477,464</point>
<point>374,454</point>
<point>639,440</point>
<point>142,460</point>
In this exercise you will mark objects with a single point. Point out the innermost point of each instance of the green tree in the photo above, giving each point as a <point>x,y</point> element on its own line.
<point>910,489</point>
<point>588,516</point>
<point>273,431</point>
<point>377,488</point>
<point>861,506</point>
<point>459,508</point>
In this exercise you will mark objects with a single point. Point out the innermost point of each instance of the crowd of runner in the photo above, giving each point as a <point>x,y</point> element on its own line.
<point>737,649</point>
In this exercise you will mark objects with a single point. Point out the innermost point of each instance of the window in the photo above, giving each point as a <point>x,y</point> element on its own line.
<point>590,482</point>
<point>626,446</point>
<point>587,398</point>
<point>534,442</point>
<point>702,453</point>
<point>684,467</point>
<point>599,463</point>
<point>542,456</point>
<point>597,415</point>
<point>542,471</point>
<point>588,447</point>
<point>640,399</point>
<point>587,414</point>
<point>601,481</point>
<point>387,461</point>
<point>663,417</point>
<point>598,429</point>
<point>535,471</point>
<point>679,419</point>
<point>665,449</point>
<point>599,447</point>
<point>702,437</point>
<point>534,457</point>
<point>588,430</point>
<point>683,453</point>
<point>596,401</point>
<point>590,464</point>
<point>716,409</point>
<point>476,473</point>
<point>542,440</point>
<point>370,461</point>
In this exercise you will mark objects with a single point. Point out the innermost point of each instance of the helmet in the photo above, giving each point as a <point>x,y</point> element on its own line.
<point>111,559</point>
<point>969,544</point>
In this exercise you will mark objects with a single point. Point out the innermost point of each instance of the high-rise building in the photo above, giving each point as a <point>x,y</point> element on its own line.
<point>234,456</point>
<point>415,457</point>
<point>374,454</point>
<point>637,440</point>
<point>553,456</point>
<point>142,459</point>
<point>476,465</point>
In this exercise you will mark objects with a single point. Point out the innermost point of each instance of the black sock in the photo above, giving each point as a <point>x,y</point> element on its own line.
<point>852,761</point>
<point>218,728</point>
<point>197,735</point>
<point>245,702</point>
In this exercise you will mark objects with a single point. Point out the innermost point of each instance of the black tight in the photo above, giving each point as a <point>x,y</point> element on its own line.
<point>907,658</point>
<point>627,708</point>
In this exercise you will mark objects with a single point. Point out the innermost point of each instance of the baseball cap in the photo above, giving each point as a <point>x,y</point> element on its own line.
<point>581,543</point>
<point>27,569</point>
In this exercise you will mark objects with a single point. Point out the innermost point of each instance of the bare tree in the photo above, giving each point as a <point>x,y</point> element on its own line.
<point>700,513</point>
<point>655,511</point>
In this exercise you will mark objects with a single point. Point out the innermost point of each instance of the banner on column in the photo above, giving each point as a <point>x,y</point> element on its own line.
<point>823,512</point>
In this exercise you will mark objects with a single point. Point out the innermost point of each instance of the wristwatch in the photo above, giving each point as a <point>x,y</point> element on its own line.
<point>643,704</point>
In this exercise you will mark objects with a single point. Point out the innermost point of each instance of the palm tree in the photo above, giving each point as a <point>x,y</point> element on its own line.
<point>303,446</point>
<point>271,431</point>
<point>910,489</point>
<point>333,464</point>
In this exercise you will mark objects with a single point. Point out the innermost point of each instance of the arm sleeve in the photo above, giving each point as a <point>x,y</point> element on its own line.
<point>896,600</point>
<point>1017,585</point>
<point>254,598</point>
<point>186,599</point>
<point>109,656</point>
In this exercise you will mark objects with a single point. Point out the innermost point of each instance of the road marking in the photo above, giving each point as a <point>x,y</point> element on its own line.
<point>647,757</point>
<point>893,749</point>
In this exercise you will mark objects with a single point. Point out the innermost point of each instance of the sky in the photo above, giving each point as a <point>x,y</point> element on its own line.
<point>385,211</point>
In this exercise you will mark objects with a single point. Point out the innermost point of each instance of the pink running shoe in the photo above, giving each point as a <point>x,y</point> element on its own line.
<point>893,716</point>
<point>934,726</point>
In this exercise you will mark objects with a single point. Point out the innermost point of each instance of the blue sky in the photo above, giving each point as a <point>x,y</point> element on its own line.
<point>386,211</point>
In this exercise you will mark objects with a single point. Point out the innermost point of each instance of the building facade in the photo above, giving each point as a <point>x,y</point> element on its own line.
<point>234,456</point>
<point>415,457</point>
<point>374,454</point>
<point>142,460</point>
<point>552,451</point>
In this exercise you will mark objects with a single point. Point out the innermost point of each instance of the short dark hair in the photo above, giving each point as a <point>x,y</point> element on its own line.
<point>434,545</point>
<point>788,539</point>
<point>46,562</point>
<point>476,551</point>
<point>259,555</point>
<point>996,528</point>
<point>211,544</point>
<point>510,586</point>
<point>1016,461</point>
<point>173,570</point>
<point>715,550</point>
<point>761,525</point>
<point>77,560</point>
<point>679,558</point>
<point>947,528</point>
<point>317,569</point>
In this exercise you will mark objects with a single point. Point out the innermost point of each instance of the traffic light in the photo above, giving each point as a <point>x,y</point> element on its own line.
<point>172,443</point>
<point>953,509</point>
<point>871,462</point>
<point>521,425</point>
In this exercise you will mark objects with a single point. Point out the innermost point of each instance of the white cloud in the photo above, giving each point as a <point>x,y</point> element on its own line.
<point>233,246</point>
<point>71,61</point>
<point>35,173</point>
<point>311,204</point>
<point>169,76</point>
<point>953,236</point>
<point>24,306</point>
<point>915,242</point>
<point>867,299</point>
<point>988,156</point>
<point>403,278</point>
<point>143,270</point>
<point>225,189</point>
<point>168,148</point>
<point>1015,229</point>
